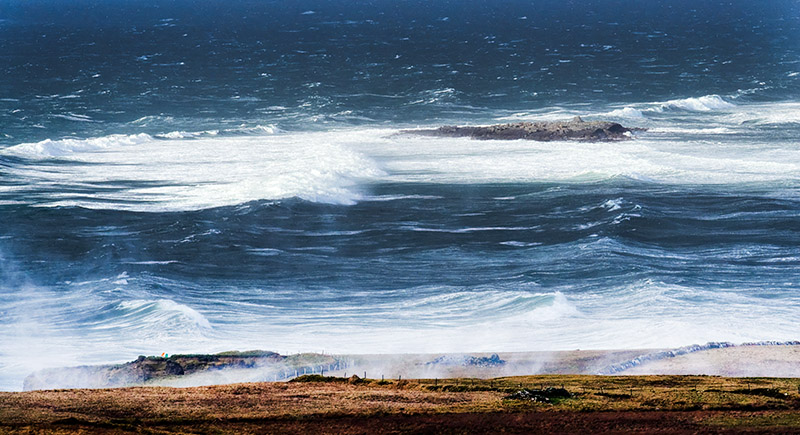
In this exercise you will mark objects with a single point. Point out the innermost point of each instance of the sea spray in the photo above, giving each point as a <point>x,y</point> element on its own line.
<point>230,176</point>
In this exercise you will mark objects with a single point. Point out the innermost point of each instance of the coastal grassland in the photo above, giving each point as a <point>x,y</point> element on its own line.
<point>317,404</point>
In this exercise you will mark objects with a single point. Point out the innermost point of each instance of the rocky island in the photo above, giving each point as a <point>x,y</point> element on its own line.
<point>574,130</point>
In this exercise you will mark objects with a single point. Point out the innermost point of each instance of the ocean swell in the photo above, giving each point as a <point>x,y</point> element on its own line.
<point>182,171</point>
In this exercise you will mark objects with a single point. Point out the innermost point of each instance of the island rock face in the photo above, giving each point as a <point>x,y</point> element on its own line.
<point>575,130</point>
<point>154,370</point>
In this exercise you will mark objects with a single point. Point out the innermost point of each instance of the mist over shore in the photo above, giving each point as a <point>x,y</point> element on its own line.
<point>196,179</point>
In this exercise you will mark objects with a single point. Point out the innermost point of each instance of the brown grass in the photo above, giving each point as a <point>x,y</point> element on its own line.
<point>688,404</point>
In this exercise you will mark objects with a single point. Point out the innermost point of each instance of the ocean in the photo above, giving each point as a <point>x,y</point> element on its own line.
<point>180,176</point>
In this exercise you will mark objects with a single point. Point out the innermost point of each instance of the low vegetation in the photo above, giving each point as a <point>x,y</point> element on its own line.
<point>325,404</point>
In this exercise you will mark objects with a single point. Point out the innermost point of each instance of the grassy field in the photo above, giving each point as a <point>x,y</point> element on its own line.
<point>315,404</point>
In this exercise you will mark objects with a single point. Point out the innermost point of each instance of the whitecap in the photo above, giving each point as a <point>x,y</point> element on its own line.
<point>382,198</point>
<point>700,131</point>
<point>152,262</point>
<point>626,112</point>
<point>705,103</point>
<point>64,147</point>
<point>518,244</point>
<point>464,230</point>
<point>187,134</point>
<point>74,117</point>
<point>158,317</point>
<point>613,204</point>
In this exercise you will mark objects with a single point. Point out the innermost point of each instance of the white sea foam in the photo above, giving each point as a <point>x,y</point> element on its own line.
<point>382,198</point>
<point>510,317</point>
<point>634,112</point>
<point>767,114</point>
<point>155,318</point>
<point>45,329</point>
<point>202,170</point>
<point>65,147</point>
<point>706,103</point>
<point>654,160</point>
<point>188,134</point>
<point>467,230</point>
<point>613,204</point>
<point>74,117</point>
<point>153,262</point>
<point>642,314</point>
<point>626,112</point>
<point>729,118</point>
<point>701,131</point>
<point>243,129</point>
<point>518,244</point>
<point>199,171</point>
<point>256,129</point>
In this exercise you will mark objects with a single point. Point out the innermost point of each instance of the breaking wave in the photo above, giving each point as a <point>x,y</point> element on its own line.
<point>153,318</point>
<point>706,103</point>
<point>183,171</point>
<point>206,170</point>
<point>65,147</point>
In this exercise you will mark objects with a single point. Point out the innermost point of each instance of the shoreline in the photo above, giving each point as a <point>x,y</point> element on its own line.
<point>763,359</point>
<point>478,397</point>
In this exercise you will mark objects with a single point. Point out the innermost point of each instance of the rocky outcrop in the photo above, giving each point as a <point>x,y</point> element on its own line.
<point>545,395</point>
<point>149,369</point>
<point>575,130</point>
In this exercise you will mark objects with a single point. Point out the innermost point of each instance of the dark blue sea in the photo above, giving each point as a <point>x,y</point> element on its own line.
<point>199,176</point>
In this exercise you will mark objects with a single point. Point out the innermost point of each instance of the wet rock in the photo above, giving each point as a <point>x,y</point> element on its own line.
<point>575,130</point>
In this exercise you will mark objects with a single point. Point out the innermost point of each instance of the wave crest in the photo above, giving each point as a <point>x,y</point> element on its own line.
<point>192,171</point>
<point>162,317</point>
<point>706,103</point>
<point>63,147</point>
